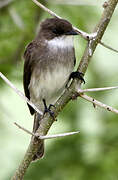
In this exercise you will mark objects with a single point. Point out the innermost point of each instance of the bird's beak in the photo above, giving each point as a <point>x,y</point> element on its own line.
<point>72,32</point>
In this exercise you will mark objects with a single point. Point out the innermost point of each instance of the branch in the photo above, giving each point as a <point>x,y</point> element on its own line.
<point>16,18</point>
<point>49,136</point>
<point>98,103</point>
<point>46,9</point>
<point>20,94</point>
<point>96,89</point>
<point>24,129</point>
<point>108,47</point>
<point>82,33</point>
<point>47,121</point>
<point>59,135</point>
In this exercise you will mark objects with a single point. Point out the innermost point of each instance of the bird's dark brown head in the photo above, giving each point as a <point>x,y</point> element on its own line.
<point>55,27</point>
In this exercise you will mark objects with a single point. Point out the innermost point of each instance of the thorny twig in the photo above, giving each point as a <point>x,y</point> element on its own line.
<point>98,103</point>
<point>82,33</point>
<point>20,93</point>
<point>47,121</point>
<point>49,136</point>
<point>97,89</point>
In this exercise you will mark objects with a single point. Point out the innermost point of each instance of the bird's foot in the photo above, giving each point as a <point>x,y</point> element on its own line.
<point>48,109</point>
<point>76,75</point>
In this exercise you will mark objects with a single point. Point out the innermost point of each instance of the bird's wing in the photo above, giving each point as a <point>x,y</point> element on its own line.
<point>28,56</point>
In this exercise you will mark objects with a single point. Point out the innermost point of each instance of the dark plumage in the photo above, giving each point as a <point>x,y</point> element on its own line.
<point>49,61</point>
<point>49,29</point>
<point>54,27</point>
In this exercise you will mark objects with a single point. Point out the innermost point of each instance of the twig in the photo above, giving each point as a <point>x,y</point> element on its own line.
<point>98,103</point>
<point>46,9</point>
<point>27,131</point>
<point>96,89</point>
<point>59,135</point>
<point>49,136</point>
<point>20,94</point>
<point>108,47</point>
<point>16,18</point>
<point>82,33</point>
<point>47,121</point>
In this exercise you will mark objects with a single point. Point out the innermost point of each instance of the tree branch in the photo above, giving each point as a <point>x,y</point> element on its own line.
<point>96,89</point>
<point>82,33</point>
<point>20,94</point>
<point>98,103</point>
<point>25,130</point>
<point>108,47</point>
<point>16,18</point>
<point>67,95</point>
<point>59,135</point>
<point>49,136</point>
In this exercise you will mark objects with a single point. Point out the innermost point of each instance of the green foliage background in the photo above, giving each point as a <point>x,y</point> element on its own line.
<point>91,155</point>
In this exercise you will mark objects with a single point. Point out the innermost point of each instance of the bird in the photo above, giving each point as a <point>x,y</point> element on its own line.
<point>48,66</point>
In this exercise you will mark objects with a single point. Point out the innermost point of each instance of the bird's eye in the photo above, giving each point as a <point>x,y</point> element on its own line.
<point>55,31</point>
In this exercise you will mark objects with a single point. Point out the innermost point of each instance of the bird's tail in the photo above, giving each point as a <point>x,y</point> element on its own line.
<point>40,152</point>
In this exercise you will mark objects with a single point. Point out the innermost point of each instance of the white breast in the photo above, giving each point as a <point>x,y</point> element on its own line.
<point>61,42</point>
<point>50,84</point>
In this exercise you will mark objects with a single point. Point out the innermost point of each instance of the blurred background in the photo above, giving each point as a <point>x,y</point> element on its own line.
<point>91,155</point>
